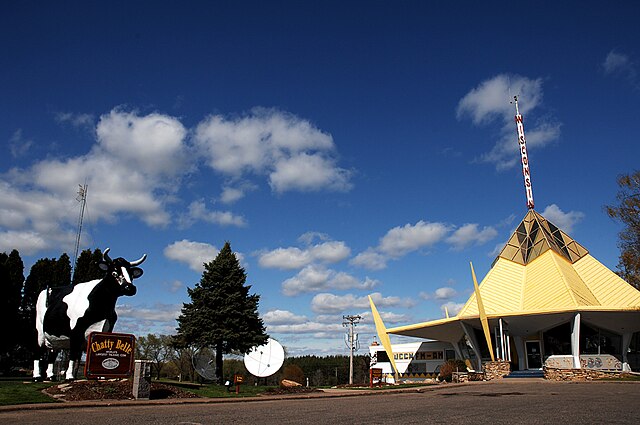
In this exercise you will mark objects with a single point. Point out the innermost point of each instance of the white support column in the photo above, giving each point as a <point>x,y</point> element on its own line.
<point>575,341</point>
<point>502,350</point>
<point>626,341</point>
<point>471,335</point>
<point>520,349</point>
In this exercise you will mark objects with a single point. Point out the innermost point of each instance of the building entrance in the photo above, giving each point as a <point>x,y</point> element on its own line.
<point>534,356</point>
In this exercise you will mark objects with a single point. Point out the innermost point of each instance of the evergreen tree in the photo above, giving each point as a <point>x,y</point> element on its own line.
<point>45,273</point>
<point>88,266</point>
<point>11,281</point>
<point>628,212</point>
<point>222,314</point>
<point>61,272</point>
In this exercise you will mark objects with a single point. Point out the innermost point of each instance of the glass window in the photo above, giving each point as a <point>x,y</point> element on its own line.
<point>557,341</point>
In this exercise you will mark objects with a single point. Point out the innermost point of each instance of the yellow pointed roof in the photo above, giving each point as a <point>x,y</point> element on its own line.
<point>541,271</point>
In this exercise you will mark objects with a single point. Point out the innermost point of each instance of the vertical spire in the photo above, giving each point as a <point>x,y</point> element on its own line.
<point>524,156</point>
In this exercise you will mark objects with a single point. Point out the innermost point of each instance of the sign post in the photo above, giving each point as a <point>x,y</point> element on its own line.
<point>375,373</point>
<point>109,355</point>
<point>238,379</point>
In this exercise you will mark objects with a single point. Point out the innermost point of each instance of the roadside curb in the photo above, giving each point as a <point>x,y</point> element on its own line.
<point>324,393</point>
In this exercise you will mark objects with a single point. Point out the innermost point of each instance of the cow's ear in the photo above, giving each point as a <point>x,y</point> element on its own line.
<point>103,266</point>
<point>136,272</point>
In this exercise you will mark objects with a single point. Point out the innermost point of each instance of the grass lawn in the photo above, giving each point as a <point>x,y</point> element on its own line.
<point>23,392</point>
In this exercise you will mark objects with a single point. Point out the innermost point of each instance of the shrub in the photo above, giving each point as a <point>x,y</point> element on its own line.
<point>447,368</point>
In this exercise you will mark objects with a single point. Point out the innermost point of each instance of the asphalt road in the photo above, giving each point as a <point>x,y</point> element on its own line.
<point>504,402</point>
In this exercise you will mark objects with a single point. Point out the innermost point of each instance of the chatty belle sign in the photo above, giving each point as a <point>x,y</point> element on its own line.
<point>110,355</point>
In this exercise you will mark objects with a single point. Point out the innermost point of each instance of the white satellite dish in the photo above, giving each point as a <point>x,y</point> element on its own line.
<point>264,360</point>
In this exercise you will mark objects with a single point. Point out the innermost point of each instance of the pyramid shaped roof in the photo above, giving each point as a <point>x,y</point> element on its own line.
<point>541,268</point>
<point>536,235</point>
<point>541,271</point>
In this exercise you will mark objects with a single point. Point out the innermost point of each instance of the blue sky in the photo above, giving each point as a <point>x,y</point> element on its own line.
<point>343,148</point>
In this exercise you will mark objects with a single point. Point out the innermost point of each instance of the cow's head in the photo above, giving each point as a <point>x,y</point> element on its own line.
<point>122,271</point>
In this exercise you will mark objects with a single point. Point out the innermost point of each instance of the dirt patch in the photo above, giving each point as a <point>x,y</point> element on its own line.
<point>111,390</point>
<point>290,390</point>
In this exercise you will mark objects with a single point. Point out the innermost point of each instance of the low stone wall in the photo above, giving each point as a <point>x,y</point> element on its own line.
<point>496,370</point>
<point>554,374</point>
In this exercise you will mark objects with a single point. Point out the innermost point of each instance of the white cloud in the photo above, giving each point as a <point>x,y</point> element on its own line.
<point>194,254</point>
<point>470,235</point>
<point>308,172</point>
<point>295,258</point>
<point>490,102</point>
<point>18,145</point>
<point>132,169</point>
<point>231,194</point>
<point>315,278</point>
<point>319,330</point>
<point>307,238</point>
<point>330,303</point>
<point>452,307</point>
<point>491,99</point>
<point>387,317</point>
<point>197,211</point>
<point>136,166</point>
<point>402,240</point>
<point>283,317</point>
<point>285,258</point>
<point>291,151</point>
<point>564,221</point>
<point>444,293</point>
<point>152,143</point>
<point>174,286</point>
<point>620,65</point>
<point>26,242</point>
<point>616,62</point>
<point>159,318</point>
<point>370,260</point>
<point>76,120</point>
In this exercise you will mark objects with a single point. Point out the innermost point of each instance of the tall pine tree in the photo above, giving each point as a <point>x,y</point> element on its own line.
<point>45,273</point>
<point>88,266</point>
<point>11,282</point>
<point>222,314</point>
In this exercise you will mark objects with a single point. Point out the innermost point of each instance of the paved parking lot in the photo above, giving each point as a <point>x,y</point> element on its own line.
<point>498,402</point>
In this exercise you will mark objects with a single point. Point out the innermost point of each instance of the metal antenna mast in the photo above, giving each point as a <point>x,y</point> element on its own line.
<point>351,339</point>
<point>524,156</point>
<point>82,198</point>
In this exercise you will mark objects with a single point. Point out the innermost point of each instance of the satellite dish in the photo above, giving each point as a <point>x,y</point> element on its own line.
<point>264,360</point>
<point>204,363</point>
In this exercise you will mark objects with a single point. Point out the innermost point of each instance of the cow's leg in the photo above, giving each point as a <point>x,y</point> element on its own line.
<point>70,375</point>
<point>36,370</point>
<point>75,352</point>
<point>49,358</point>
<point>39,363</point>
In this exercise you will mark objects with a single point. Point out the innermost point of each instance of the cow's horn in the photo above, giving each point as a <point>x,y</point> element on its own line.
<point>105,256</point>
<point>140,261</point>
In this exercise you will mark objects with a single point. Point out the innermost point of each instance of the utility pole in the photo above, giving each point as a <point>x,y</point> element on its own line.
<point>82,198</point>
<point>351,339</point>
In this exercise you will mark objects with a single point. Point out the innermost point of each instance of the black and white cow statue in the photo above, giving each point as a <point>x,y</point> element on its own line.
<point>66,316</point>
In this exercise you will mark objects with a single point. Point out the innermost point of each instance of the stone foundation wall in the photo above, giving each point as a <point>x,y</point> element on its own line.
<point>554,374</point>
<point>496,370</point>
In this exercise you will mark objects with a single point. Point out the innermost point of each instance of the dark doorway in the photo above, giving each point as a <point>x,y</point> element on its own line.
<point>534,356</point>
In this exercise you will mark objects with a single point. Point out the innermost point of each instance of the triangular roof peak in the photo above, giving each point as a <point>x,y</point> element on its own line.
<point>536,235</point>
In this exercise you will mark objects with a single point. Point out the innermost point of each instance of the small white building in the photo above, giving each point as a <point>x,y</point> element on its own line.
<point>416,361</point>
